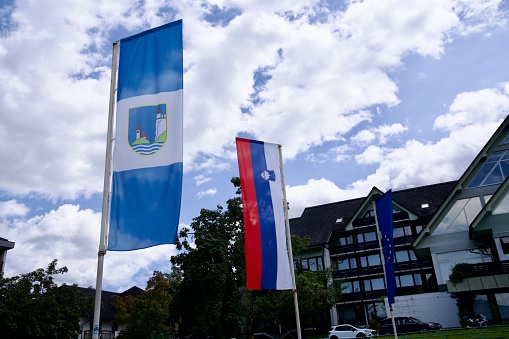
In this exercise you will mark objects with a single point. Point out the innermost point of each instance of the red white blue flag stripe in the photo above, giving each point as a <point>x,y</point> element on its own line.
<point>267,263</point>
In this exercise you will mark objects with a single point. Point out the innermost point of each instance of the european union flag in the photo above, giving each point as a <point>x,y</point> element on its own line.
<point>383,207</point>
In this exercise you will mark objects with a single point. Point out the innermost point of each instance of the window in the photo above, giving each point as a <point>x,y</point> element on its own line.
<point>504,243</point>
<point>351,287</point>
<point>505,140</point>
<point>376,311</point>
<point>494,170</point>
<point>343,264</point>
<point>402,256</point>
<point>346,287</point>
<point>344,241</point>
<point>346,263</point>
<point>459,217</point>
<point>408,280</point>
<point>446,261</point>
<point>503,304</point>
<point>365,237</point>
<point>374,260</point>
<point>481,306</point>
<point>503,206</point>
<point>402,231</point>
<point>353,263</point>
<point>378,284</point>
<point>374,284</point>
<point>370,260</point>
<point>311,264</point>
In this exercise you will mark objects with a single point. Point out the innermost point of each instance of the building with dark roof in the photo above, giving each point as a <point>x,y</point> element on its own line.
<point>342,235</point>
<point>436,227</point>
<point>107,328</point>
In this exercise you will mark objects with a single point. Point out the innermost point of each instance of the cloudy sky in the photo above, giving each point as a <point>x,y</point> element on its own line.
<point>392,94</point>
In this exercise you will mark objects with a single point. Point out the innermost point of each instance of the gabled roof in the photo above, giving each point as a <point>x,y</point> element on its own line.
<point>319,222</point>
<point>135,290</point>
<point>107,312</point>
<point>462,183</point>
<point>413,199</point>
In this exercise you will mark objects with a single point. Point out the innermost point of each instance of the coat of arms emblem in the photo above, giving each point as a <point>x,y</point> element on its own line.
<point>147,128</point>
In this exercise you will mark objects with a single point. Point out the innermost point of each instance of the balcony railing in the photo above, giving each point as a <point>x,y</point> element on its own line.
<point>363,246</point>
<point>490,268</point>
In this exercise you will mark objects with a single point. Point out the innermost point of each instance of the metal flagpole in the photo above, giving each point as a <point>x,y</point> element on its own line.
<point>383,265</point>
<point>289,245</point>
<point>106,192</point>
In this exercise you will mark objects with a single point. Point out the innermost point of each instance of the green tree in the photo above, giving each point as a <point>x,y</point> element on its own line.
<point>211,299</point>
<point>147,315</point>
<point>316,293</point>
<point>32,305</point>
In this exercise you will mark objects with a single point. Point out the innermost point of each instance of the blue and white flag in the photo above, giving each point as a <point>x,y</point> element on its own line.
<point>147,159</point>
<point>383,207</point>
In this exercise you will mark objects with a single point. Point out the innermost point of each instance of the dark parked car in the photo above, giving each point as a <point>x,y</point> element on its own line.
<point>406,325</point>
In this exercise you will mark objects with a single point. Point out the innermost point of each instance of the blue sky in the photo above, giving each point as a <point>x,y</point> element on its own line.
<point>393,94</point>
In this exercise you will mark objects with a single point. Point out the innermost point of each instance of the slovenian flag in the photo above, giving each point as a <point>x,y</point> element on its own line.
<point>383,206</point>
<point>147,159</point>
<point>267,263</point>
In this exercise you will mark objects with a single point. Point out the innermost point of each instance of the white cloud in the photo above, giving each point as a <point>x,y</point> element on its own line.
<point>71,235</point>
<point>371,155</point>
<point>364,137</point>
<point>416,163</point>
<point>315,192</point>
<point>201,179</point>
<point>12,208</point>
<point>382,133</point>
<point>386,131</point>
<point>474,108</point>
<point>323,67</point>
<point>209,192</point>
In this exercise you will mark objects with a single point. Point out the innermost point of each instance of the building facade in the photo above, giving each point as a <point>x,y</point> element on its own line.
<point>343,236</point>
<point>436,227</point>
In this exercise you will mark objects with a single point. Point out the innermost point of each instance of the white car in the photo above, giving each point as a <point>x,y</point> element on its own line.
<point>349,331</point>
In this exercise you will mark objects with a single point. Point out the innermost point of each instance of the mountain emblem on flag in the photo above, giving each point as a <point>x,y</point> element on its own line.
<point>147,128</point>
<point>268,175</point>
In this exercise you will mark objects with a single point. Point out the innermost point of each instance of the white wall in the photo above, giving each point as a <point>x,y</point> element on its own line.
<point>436,307</point>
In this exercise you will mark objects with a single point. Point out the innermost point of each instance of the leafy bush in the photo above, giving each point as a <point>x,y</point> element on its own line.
<point>460,272</point>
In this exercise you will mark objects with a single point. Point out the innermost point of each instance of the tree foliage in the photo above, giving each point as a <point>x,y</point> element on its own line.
<point>211,296</point>
<point>316,294</point>
<point>212,301</point>
<point>147,315</point>
<point>460,272</point>
<point>32,305</point>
